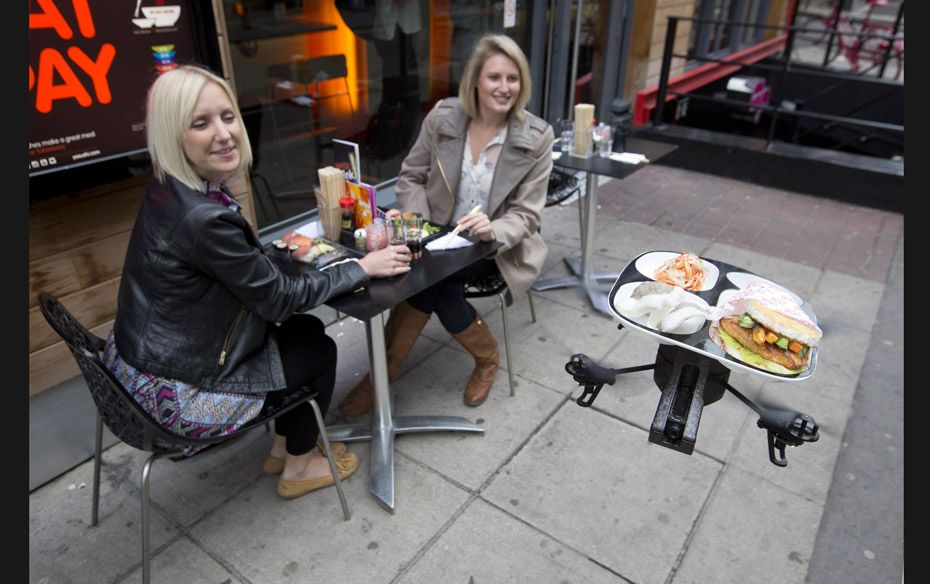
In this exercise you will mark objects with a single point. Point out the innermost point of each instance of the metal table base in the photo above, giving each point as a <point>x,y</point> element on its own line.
<point>596,284</point>
<point>384,426</point>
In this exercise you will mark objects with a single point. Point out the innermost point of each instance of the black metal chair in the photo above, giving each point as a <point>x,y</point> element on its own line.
<point>562,185</point>
<point>131,424</point>
<point>313,72</point>
<point>496,286</point>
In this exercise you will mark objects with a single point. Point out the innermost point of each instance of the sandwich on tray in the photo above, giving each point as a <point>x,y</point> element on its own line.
<point>764,327</point>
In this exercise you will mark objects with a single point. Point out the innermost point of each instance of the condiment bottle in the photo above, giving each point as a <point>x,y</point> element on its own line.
<point>347,204</point>
<point>360,239</point>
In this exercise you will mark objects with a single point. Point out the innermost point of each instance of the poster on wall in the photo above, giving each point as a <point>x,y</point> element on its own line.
<point>90,65</point>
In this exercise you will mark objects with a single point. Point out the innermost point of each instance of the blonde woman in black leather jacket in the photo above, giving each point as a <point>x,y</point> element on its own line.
<point>208,331</point>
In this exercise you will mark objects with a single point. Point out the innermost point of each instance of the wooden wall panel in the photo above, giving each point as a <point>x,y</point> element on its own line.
<point>102,260</point>
<point>639,48</point>
<point>778,16</point>
<point>91,306</point>
<point>55,275</point>
<point>69,272</point>
<point>59,228</point>
<point>55,364</point>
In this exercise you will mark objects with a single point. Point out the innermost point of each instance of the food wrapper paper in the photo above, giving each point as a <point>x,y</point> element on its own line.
<point>673,311</point>
<point>772,296</point>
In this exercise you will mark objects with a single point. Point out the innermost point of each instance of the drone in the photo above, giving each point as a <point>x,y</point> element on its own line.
<point>688,382</point>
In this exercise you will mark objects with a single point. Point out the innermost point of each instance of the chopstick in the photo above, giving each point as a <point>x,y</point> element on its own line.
<point>458,227</point>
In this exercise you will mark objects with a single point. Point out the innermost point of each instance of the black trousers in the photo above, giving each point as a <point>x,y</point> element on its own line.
<point>447,298</point>
<point>309,359</point>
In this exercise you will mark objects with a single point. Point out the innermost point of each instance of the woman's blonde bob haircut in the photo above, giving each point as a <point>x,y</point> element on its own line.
<point>486,47</point>
<point>169,112</point>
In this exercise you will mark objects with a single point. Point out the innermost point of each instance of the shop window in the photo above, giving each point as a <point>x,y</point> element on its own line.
<point>389,62</point>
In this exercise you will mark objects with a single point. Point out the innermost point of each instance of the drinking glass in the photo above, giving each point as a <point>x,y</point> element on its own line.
<point>566,135</point>
<point>376,235</point>
<point>604,139</point>
<point>397,232</point>
<point>414,229</point>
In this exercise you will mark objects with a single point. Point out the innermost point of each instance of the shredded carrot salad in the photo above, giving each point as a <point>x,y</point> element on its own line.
<point>686,271</point>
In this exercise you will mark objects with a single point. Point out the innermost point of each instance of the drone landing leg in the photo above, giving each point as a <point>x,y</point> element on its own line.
<point>784,427</point>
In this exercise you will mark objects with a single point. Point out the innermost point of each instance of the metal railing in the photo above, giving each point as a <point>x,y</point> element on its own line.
<point>781,68</point>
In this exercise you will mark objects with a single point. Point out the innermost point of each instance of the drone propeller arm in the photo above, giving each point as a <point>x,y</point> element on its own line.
<point>688,383</point>
<point>585,371</point>
<point>784,427</point>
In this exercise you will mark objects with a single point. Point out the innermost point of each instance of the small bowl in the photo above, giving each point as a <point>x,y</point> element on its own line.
<point>626,291</point>
<point>649,263</point>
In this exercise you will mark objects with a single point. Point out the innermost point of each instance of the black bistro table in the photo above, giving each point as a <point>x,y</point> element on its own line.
<point>369,305</point>
<point>597,285</point>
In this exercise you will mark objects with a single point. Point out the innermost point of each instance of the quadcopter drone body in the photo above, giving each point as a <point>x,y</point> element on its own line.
<point>688,382</point>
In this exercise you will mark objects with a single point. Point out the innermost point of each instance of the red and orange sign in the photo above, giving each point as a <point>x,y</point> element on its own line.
<point>90,65</point>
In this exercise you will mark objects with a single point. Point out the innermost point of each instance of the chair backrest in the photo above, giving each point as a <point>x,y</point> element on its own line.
<point>119,411</point>
<point>318,69</point>
<point>124,417</point>
<point>561,186</point>
<point>490,285</point>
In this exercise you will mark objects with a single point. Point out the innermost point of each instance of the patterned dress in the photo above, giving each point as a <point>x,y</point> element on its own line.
<point>182,408</point>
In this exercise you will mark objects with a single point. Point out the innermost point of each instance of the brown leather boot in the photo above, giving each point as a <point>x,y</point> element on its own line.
<point>478,340</point>
<point>400,334</point>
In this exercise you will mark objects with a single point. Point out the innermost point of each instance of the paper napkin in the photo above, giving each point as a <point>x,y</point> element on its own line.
<point>455,241</point>
<point>629,157</point>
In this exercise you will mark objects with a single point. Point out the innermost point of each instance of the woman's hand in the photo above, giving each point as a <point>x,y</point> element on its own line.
<point>479,225</point>
<point>393,214</point>
<point>390,261</point>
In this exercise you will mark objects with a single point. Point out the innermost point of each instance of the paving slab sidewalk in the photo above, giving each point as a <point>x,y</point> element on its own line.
<point>553,492</point>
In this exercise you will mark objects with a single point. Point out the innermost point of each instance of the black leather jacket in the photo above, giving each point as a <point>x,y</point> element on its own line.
<point>198,298</point>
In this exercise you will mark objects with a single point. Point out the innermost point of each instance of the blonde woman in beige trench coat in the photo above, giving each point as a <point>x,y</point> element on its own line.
<point>482,148</point>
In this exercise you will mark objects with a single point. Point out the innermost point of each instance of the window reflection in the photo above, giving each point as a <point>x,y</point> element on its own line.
<point>367,71</point>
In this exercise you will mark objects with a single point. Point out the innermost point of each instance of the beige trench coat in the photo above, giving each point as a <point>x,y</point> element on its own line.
<point>429,177</point>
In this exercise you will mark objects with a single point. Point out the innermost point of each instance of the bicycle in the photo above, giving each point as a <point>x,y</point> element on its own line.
<point>861,39</point>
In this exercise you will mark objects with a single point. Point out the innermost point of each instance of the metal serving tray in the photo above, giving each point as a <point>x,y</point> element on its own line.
<point>729,279</point>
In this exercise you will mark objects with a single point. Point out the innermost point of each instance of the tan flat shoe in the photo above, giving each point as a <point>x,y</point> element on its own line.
<point>346,464</point>
<point>274,465</point>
